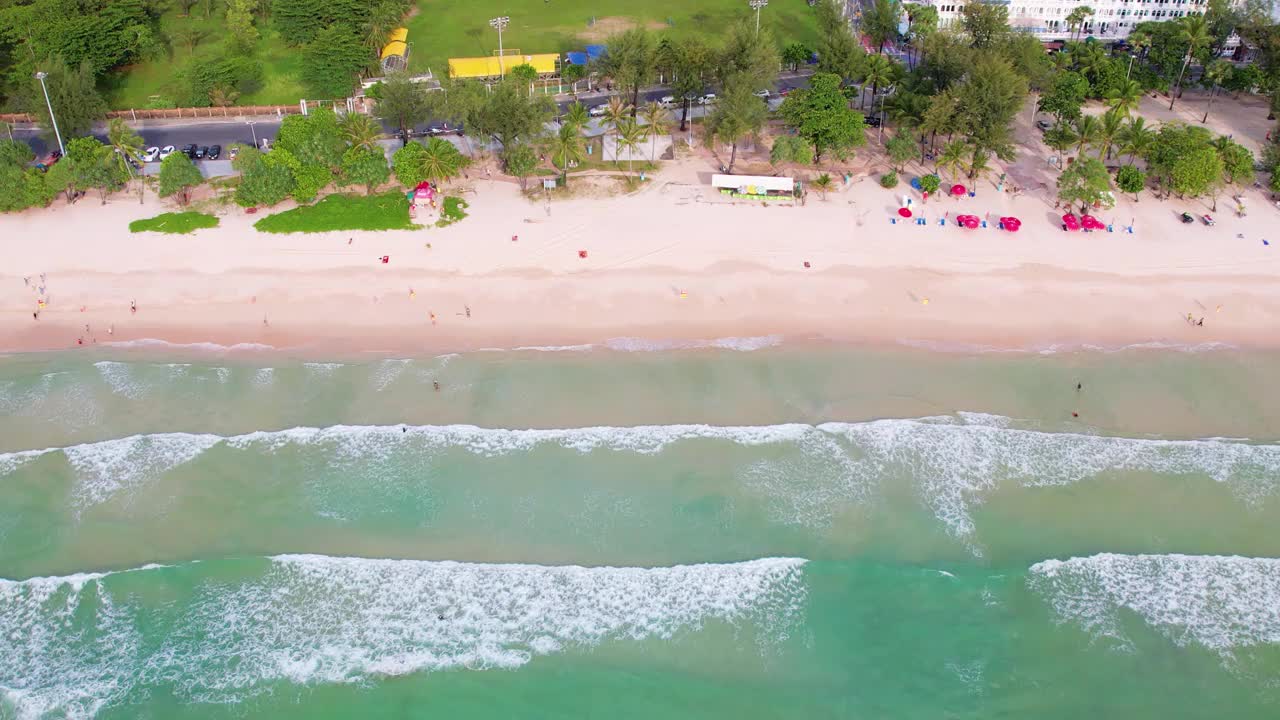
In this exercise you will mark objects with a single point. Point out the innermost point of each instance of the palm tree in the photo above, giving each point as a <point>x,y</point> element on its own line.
<point>1109,131</point>
<point>128,149</point>
<point>1060,137</point>
<point>978,164</point>
<point>566,149</point>
<point>1089,58</point>
<point>877,70</point>
<point>1136,138</point>
<point>658,120</point>
<point>360,130</point>
<point>441,160</point>
<point>1075,19</point>
<point>1125,98</point>
<point>615,112</point>
<point>1217,71</point>
<point>630,135</point>
<point>823,184</point>
<point>1195,33</point>
<point>576,115</point>
<point>951,159</point>
<point>1140,40</point>
<point>1087,128</point>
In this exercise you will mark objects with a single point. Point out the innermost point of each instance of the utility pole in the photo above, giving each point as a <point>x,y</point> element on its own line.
<point>41,76</point>
<point>499,23</point>
<point>756,5</point>
<point>251,123</point>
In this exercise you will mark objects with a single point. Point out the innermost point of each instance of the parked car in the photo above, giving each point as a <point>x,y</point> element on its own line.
<point>213,152</point>
<point>266,145</point>
<point>1043,125</point>
<point>1208,220</point>
<point>201,152</point>
<point>151,155</point>
<point>166,151</point>
<point>50,160</point>
<point>667,100</point>
<point>1187,218</point>
<point>873,121</point>
<point>232,152</point>
<point>707,99</point>
<point>597,110</point>
<point>765,94</point>
<point>189,150</point>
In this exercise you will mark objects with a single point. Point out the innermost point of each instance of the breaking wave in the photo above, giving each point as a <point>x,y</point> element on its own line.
<point>228,630</point>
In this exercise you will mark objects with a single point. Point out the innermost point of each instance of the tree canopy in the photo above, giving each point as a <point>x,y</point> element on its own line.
<point>821,115</point>
<point>177,176</point>
<point>1085,183</point>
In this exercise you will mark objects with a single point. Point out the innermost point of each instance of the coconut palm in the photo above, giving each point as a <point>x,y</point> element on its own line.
<point>1109,131</point>
<point>1075,19</point>
<point>823,184</point>
<point>360,131</point>
<point>1087,128</point>
<point>576,115</point>
<point>1140,41</point>
<point>1089,58</point>
<point>614,113</point>
<point>952,159</point>
<point>658,122</point>
<point>1195,33</point>
<point>566,148</point>
<point>876,70</point>
<point>979,163</point>
<point>1217,72</point>
<point>441,160</point>
<point>630,135</point>
<point>1136,139</point>
<point>1060,137</point>
<point>1125,98</point>
<point>128,149</point>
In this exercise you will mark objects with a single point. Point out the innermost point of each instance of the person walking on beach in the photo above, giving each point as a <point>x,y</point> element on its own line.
<point>133,307</point>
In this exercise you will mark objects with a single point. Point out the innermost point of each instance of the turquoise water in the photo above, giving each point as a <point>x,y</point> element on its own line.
<point>794,531</point>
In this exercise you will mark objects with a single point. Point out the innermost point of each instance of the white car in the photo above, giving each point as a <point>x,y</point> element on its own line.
<point>667,100</point>
<point>707,99</point>
<point>765,94</point>
<point>598,110</point>
<point>166,151</point>
<point>151,155</point>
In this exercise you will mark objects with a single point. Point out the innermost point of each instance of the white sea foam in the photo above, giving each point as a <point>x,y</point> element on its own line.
<point>954,461</point>
<point>203,347</point>
<point>119,377</point>
<point>741,344</point>
<point>264,376</point>
<point>73,647</point>
<point>387,371</point>
<point>322,369</point>
<point>1221,603</point>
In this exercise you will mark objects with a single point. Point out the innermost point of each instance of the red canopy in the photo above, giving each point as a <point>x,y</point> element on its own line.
<point>957,189</point>
<point>1011,223</point>
<point>1070,222</point>
<point>904,212</point>
<point>971,221</point>
<point>1090,222</point>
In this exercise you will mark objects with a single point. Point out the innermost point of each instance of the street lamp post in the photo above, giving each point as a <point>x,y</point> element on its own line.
<point>499,23</point>
<point>756,5</point>
<point>41,76</point>
<point>1126,72</point>
<point>251,123</point>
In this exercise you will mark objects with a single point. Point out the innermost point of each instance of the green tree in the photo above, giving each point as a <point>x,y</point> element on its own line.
<point>880,22</point>
<point>984,24</point>
<point>1215,75</point>
<point>821,116</point>
<point>1085,182</point>
<point>525,75</point>
<point>309,178</point>
<point>941,118</point>
<point>1087,129</point>
<point>15,153</point>
<point>951,159</point>
<point>435,161</point>
<point>314,139</point>
<point>1173,143</point>
<point>177,176</point>
<point>930,183</point>
<point>521,161</point>
<point>1237,161</point>
<point>751,57</point>
<point>93,167</point>
<point>796,54</point>
<point>566,149</point>
<point>657,123</point>
<point>900,149</point>
<point>1110,129</point>
<point>74,95</point>
<point>576,115</point>
<point>1060,137</point>
<point>261,183</point>
<point>573,74</point>
<point>126,148</point>
<point>1194,32</point>
<point>789,148</point>
<point>1066,97</point>
<point>877,71</point>
<point>511,116</point>
<point>331,63</point>
<point>1075,19</point>
<point>631,61</point>
<point>987,101</point>
<point>402,103</point>
<point>362,165</point>
<point>692,62</point>
<point>1136,139</point>
<point>1197,174</point>
<point>739,115</point>
<point>1131,180</point>
<point>1125,98</point>
<point>241,35</point>
<point>360,131</point>
<point>839,52</point>
<point>630,135</point>
<point>823,184</point>
<point>616,112</point>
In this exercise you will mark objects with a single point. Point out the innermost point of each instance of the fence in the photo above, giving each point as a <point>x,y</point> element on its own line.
<point>172,113</point>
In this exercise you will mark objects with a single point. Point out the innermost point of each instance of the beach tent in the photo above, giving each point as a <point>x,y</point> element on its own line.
<point>576,58</point>
<point>594,51</point>
<point>753,184</point>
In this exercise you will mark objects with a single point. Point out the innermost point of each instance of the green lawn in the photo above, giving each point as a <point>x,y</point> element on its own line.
<point>454,209</point>
<point>182,223</point>
<point>460,28</point>
<point>388,211</point>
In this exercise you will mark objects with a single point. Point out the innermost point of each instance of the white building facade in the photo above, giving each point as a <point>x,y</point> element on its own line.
<point>1047,19</point>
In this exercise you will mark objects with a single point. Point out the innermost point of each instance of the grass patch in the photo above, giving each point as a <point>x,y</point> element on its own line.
<point>183,223</point>
<point>388,211</point>
<point>455,208</point>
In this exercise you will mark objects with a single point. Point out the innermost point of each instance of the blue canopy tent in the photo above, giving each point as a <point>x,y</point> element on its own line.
<point>594,51</point>
<point>576,58</point>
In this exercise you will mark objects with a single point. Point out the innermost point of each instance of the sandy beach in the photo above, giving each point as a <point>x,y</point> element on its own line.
<point>673,262</point>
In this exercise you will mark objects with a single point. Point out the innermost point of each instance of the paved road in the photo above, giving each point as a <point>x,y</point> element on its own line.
<point>226,132</point>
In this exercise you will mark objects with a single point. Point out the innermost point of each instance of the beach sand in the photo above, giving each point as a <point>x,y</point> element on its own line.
<point>673,261</point>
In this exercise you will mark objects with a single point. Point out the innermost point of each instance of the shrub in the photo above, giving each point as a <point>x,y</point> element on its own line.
<point>388,211</point>
<point>889,180</point>
<point>454,209</point>
<point>182,223</point>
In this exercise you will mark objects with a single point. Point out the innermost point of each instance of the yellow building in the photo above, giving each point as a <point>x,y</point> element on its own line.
<point>395,54</point>
<point>487,67</point>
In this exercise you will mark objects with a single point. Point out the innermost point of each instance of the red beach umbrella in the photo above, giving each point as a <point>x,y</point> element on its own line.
<point>904,212</point>
<point>1070,222</point>
<point>1088,222</point>
<point>1012,224</point>
<point>957,190</point>
<point>971,221</point>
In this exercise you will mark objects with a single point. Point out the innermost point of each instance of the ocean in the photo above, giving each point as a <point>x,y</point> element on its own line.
<point>745,528</point>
